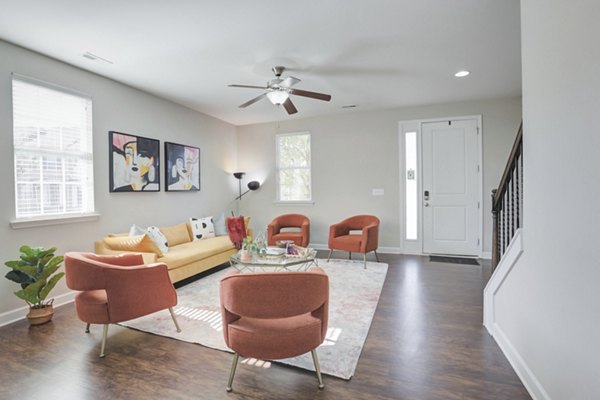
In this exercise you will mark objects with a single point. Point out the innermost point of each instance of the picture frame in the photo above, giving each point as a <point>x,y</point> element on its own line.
<point>134,163</point>
<point>182,168</point>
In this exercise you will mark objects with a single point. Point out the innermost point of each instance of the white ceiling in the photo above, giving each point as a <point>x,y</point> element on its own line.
<point>376,54</point>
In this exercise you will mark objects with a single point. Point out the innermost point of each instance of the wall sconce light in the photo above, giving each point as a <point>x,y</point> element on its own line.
<point>252,185</point>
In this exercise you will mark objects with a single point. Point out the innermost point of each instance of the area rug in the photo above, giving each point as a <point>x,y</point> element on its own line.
<point>353,296</point>
<point>454,260</point>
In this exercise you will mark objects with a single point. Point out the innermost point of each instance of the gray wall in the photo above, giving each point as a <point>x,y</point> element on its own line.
<point>547,307</point>
<point>353,153</point>
<point>121,108</point>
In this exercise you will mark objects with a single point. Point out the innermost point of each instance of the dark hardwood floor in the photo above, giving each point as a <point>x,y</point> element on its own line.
<point>426,342</point>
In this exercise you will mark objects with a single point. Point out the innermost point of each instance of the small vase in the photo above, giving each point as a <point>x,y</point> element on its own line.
<point>245,255</point>
<point>39,316</point>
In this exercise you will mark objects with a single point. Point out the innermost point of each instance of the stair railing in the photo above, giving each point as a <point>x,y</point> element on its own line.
<point>507,201</point>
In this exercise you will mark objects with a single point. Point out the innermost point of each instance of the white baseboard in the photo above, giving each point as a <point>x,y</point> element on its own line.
<point>530,381</point>
<point>20,313</point>
<point>486,255</point>
<point>389,250</point>
<point>380,250</point>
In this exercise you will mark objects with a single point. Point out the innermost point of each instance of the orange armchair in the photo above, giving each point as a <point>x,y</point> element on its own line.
<point>117,288</point>
<point>341,238</point>
<point>275,315</point>
<point>301,238</point>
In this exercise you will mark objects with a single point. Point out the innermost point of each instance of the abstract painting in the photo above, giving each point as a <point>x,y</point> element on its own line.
<point>133,163</point>
<point>182,167</point>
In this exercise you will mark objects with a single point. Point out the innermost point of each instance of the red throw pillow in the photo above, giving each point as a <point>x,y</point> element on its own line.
<point>236,230</point>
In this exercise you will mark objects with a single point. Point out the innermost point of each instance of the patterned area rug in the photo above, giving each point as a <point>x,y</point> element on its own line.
<point>353,296</point>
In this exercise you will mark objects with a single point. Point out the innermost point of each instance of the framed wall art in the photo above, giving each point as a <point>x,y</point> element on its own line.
<point>182,168</point>
<point>133,163</point>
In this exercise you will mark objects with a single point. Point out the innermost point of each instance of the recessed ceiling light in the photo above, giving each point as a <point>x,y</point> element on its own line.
<point>461,74</point>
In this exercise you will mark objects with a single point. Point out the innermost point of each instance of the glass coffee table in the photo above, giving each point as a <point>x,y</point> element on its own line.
<point>281,263</point>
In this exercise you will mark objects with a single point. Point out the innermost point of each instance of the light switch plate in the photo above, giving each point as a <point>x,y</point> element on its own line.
<point>378,192</point>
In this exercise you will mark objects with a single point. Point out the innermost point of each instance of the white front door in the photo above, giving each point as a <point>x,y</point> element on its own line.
<point>450,187</point>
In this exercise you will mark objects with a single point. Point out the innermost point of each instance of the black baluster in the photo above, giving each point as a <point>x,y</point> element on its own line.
<point>518,171</point>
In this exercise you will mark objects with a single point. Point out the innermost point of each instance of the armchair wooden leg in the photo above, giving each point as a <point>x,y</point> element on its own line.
<point>232,372</point>
<point>87,328</point>
<point>174,319</point>
<point>104,334</point>
<point>376,255</point>
<point>349,255</point>
<point>317,367</point>
<point>329,256</point>
<point>365,258</point>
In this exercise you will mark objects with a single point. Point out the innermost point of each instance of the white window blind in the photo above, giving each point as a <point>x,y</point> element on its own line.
<point>52,136</point>
<point>293,167</point>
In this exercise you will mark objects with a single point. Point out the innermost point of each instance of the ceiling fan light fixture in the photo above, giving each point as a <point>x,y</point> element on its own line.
<point>278,97</point>
<point>278,92</point>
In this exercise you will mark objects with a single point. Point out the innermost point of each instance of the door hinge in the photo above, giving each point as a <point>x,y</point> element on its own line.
<point>478,242</point>
<point>478,168</point>
<point>478,130</point>
<point>478,205</point>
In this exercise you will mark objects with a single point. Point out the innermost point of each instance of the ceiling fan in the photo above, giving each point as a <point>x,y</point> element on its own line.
<point>278,91</point>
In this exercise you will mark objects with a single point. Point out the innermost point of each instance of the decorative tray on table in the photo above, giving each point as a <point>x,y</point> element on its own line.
<point>274,252</point>
<point>297,252</point>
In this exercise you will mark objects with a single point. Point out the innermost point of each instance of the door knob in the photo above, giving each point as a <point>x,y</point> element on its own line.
<point>426,204</point>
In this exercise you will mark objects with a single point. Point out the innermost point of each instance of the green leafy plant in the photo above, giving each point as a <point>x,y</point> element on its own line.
<point>249,244</point>
<point>35,271</point>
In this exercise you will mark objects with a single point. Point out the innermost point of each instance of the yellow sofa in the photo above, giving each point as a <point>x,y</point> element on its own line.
<point>185,257</point>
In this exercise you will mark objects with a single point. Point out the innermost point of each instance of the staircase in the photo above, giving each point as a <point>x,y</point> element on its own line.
<point>507,242</point>
<point>507,202</point>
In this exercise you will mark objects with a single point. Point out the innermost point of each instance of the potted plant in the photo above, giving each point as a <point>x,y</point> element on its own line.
<point>248,249</point>
<point>36,272</point>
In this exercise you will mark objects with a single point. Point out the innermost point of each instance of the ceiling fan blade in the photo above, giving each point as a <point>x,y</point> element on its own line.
<point>289,82</point>
<point>312,95</point>
<point>254,100</point>
<point>289,106</point>
<point>249,86</point>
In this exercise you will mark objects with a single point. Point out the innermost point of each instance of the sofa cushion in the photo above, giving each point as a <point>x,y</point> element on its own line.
<point>177,234</point>
<point>275,338</point>
<point>189,252</point>
<point>346,242</point>
<point>118,234</point>
<point>296,237</point>
<point>140,243</point>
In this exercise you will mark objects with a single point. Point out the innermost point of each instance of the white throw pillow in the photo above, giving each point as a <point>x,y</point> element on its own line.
<point>202,228</point>
<point>158,238</point>
<point>135,230</point>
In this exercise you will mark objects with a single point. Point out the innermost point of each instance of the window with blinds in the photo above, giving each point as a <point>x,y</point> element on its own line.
<point>293,167</point>
<point>52,136</point>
